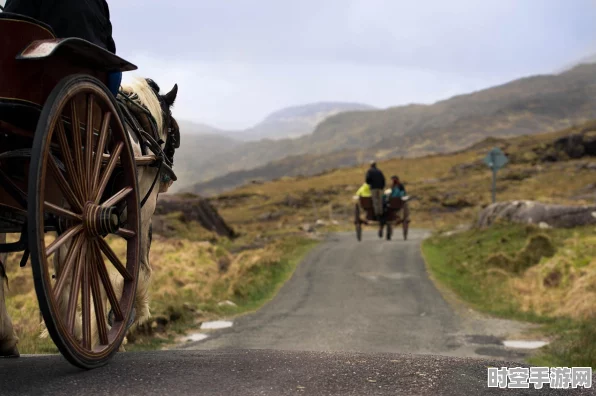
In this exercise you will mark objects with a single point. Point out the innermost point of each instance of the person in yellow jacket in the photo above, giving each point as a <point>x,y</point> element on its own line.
<point>364,191</point>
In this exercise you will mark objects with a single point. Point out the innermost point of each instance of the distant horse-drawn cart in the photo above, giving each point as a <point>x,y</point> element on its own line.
<point>396,213</point>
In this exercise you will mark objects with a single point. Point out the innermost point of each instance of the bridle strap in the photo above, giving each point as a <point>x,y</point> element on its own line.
<point>152,184</point>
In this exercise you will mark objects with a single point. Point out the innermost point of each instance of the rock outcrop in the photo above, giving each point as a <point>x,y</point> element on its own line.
<point>532,212</point>
<point>194,208</point>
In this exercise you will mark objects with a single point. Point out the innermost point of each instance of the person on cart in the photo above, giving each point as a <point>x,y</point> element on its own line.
<point>363,191</point>
<point>397,188</point>
<point>376,180</point>
<point>85,19</point>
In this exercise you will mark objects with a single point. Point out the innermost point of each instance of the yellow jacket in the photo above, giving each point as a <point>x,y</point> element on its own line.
<point>364,191</point>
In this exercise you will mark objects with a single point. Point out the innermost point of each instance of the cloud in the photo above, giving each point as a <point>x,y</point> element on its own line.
<point>456,35</point>
<point>237,95</point>
<point>237,61</point>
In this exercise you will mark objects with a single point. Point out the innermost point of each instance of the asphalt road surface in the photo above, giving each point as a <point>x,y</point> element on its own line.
<point>355,319</point>
<point>372,296</point>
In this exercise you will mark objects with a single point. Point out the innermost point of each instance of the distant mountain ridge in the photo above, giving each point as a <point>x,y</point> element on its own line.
<point>314,108</point>
<point>525,106</point>
<point>198,141</point>
<point>202,144</point>
<point>585,60</point>
<point>295,121</point>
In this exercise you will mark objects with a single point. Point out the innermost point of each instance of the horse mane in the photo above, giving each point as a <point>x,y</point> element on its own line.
<point>146,97</point>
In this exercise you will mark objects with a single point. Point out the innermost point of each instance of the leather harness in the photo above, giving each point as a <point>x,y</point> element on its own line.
<point>140,121</point>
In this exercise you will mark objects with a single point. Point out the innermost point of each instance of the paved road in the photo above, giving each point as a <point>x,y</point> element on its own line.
<point>372,298</point>
<point>256,372</point>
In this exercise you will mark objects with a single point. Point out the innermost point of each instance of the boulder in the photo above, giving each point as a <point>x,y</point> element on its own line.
<point>532,212</point>
<point>192,208</point>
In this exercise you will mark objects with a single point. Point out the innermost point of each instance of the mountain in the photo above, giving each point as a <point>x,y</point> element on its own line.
<point>586,59</point>
<point>197,128</point>
<point>293,166</point>
<point>203,145</point>
<point>292,122</point>
<point>526,106</point>
<point>198,141</point>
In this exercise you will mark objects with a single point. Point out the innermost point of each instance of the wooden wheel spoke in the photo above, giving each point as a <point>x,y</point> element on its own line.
<point>78,144</point>
<point>108,172</point>
<point>101,145</point>
<point>75,286</point>
<point>119,196</point>
<point>107,250</point>
<point>62,239</point>
<point>57,210</point>
<point>86,303</point>
<point>63,185</point>
<point>126,233</point>
<point>100,314</point>
<point>68,266</point>
<point>89,142</point>
<point>107,284</point>
<point>73,175</point>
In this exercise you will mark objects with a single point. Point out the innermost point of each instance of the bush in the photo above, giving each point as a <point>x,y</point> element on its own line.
<point>537,247</point>
<point>500,260</point>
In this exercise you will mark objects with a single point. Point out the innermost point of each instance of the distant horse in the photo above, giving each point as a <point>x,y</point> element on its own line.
<point>151,181</point>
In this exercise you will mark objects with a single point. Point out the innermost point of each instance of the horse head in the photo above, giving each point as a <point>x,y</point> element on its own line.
<point>169,131</point>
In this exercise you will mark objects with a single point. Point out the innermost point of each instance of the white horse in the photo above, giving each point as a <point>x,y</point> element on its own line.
<point>146,93</point>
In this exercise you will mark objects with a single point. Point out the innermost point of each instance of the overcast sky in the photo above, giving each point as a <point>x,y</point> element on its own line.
<point>235,61</point>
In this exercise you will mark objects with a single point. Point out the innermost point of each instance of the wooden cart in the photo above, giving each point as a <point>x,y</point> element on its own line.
<point>396,213</point>
<point>68,181</point>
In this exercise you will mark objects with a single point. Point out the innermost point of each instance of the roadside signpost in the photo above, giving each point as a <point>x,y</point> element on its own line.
<point>495,160</point>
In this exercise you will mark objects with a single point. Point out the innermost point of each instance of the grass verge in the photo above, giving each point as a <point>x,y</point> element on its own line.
<point>525,273</point>
<point>191,278</point>
<point>254,278</point>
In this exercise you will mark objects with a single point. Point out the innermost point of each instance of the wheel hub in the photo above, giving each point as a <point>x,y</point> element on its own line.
<point>98,220</point>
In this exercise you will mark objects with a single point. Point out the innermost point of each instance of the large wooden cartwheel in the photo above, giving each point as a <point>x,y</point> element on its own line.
<point>83,178</point>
